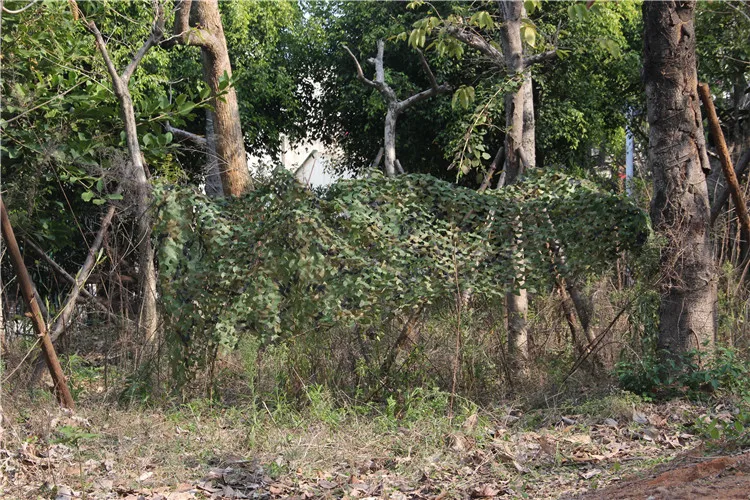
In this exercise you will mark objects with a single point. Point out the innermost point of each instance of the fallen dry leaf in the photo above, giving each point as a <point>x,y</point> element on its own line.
<point>484,491</point>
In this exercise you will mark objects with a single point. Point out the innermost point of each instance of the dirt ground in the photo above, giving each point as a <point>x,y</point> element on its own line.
<point>688,478</point>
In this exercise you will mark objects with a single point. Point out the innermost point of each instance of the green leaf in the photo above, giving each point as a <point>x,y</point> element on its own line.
<point>87,196</point>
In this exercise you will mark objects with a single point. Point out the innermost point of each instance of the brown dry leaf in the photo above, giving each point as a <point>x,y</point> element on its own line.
<point>548,444</point>
<point>276,489</point>
<point>326,485</point>
<point>484,491</point>
<point>578,439</point>
<point>471,422</point>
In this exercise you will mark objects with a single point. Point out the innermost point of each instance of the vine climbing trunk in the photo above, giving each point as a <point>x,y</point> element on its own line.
<point>677,158</point>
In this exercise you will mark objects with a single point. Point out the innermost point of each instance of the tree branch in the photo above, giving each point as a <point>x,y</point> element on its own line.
<point>476,42</point>
<point>157,33</point>
<point>360,74</point>
<point>426,67</point>
<point>538,58</point>
<point>425,94</point>
<point>117,82</point>
<point>184,134</point>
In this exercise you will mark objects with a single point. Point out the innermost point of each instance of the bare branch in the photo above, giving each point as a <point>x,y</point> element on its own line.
<point>360,74</point>
<point>476,42</point>
<point>117,83</point>
<point>426,67</point>
<point>538,58</point>
<point>491,171</point>
<point>425,94</point>
<point>184,134</point>
<point>157,33</point>
<point>8,11</point>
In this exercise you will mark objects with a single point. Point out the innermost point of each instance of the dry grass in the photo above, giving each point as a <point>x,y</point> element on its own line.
<point>408,449</point>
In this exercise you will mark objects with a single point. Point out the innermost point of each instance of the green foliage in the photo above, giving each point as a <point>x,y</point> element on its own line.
<point>280,262</point>
<point>72,436</point>
<point>689,374</point>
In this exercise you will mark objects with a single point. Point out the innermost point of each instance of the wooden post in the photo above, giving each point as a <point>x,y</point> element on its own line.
<point>726,165</point>
<point>27,289</point>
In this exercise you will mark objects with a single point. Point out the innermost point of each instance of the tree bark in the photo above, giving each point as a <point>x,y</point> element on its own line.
<point>677,157</point>
<point>212,174</point>
<point>395,107</point>
<point>148,317</point>
<point>518,114</point>
<point>208,34</point>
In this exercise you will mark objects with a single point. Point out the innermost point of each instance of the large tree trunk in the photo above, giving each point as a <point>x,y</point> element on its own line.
<point>208,34</point>
<point>211,172</point>
<point>677,157</point>
<point>517,139</point>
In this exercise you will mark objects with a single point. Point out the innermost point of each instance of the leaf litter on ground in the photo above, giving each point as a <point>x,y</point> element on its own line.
<point>134,454</point>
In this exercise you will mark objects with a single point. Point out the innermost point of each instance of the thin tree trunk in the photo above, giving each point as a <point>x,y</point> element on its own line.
<point>516,110</point>
<point>677,158</point>
<point>389,137</point>
<point>148,317</point>
<point>27,289</point>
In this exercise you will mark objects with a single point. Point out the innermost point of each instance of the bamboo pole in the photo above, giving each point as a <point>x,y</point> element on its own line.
<point>726,164</point>
<point>27,289</point>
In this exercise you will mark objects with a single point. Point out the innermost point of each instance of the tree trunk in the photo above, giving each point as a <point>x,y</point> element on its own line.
<point>148,318</point>
<point>390,141</point>
<point>517,139</point>
<point>211,173</point>
<point>230,144</point>
<point>677,157</point>
<point>208,34</point>
<point>528,142</point>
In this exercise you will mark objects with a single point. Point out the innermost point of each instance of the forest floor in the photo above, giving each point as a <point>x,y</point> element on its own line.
<point>614,446</point>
